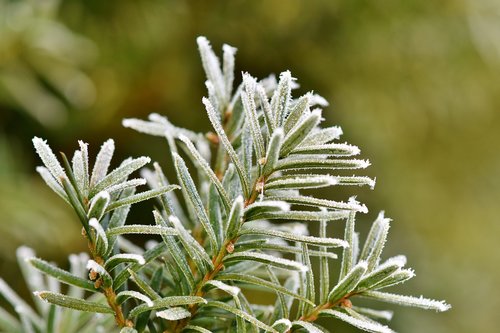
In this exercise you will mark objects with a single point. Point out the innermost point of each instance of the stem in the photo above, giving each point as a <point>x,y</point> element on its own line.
<point>108,292</point>
<point>255,190</point>
<point>219,258</point>
<point>218,265</point>
<point>314,313</point>
<point>119,317</point>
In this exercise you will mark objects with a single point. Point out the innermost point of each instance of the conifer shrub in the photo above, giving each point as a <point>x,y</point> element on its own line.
<point>236,219</point>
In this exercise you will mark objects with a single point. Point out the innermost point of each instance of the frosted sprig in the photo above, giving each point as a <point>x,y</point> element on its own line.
<point>244,219</point>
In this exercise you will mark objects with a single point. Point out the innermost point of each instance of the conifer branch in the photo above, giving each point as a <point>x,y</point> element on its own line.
<point>242,211</point>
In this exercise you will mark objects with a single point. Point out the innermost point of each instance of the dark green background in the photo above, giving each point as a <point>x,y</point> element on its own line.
<point>414,83</point>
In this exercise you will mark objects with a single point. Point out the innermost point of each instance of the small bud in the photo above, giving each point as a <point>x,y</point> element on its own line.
<point>262,160</point>
<point>98,284</point>
<point>230,247</point>
<point>93,275</point>
<point>259,186</point>
<point>346,303</point>
<point>212,137</point>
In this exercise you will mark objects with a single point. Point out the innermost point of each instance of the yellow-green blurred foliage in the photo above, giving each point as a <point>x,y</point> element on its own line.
<point>415,84</point>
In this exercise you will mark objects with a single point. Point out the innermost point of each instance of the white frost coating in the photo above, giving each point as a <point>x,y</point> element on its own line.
<point>121,173</point>
<point>355,246</point>
<point>310,328</point>
<point>129,257</point>
<point>32,276</point>
<point>228,68</point>
<point>128,246</point>
<point>94,266</point>
<point>283,322</point>
<point>157,118</point>
<point>215,121</point>
<point>150,244</point>
<point>419,302</point>
<point>135,294</point>
<point>297,228</point>
<point>323,241</point>
<point>174,219</point>
<point>102,162</point>
<point>100,232</point>
<point>363,164</point>
<point>382,221</point>
<point>278,262</point>
<point>274,241</point>
<point>77,267</point>
<point>176,313</point>
<point>140,229</point>
<point>297,131</point>
<point>410,272</point>
<point>279,131</point>
<point>49,159</point>
<point>304,162</point>
<point>232,290</point>
<point>151,128</point>
<point>281,97</point>
<point>78,169</point>
<point>203,148</point>
<point>266,309</point>
<point>84,149</point>
<point>193,248</point>
<point>129,183</point>
<point>335,149</point>
<point>206,168</point>
<point>269,83</point>
<point>53,284</point>
<point>402,274</point>
<point>357,180</point>
<point>400,258</point>
<point>25,252</point>
<point>354,150</point>
<point>322,136</point>
<point>367,325</point>
<point>302,181</point>
<point>281,205</point>
<point>397,260</point>
<point>250,110</point>
<point>52,182</point>
<point>212,67</point>
<point>315,99</point>
<point>375,241</point>
<point>356,205</point>
<point>349,282</point>
<point>266,109</point>
<point>103,195</point>
<point>83,256</point>
<point>77,263</point>
<point>211,93</point>
<point>150,177</point>
<point>377,314</point>
<point>362,264</point>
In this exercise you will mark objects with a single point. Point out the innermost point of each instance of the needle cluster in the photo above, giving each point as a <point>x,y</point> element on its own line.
<point>239,220</point>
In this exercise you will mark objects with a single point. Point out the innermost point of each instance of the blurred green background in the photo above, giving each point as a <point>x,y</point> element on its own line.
<point>416,84</point>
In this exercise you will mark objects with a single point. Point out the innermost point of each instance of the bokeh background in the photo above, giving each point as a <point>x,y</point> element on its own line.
<point>414,83</point>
